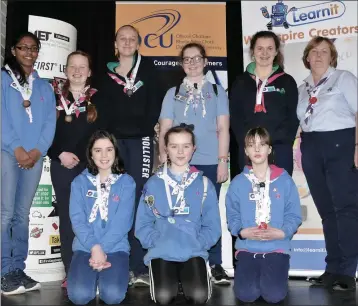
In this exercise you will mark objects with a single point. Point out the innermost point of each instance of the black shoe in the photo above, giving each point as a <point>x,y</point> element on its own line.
<point>219,276</point>
<point>27,281</point>
<point>11,285</point>
<point>326,279</point>
<point>344,283</point>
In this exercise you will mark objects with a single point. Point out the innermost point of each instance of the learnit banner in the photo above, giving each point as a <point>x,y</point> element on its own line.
<point>296,22</point>
<point>58,39</point>
<point>165,27</point>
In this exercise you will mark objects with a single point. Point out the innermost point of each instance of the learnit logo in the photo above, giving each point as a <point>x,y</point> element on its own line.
<point>281,16</point>
<point>160,38</point>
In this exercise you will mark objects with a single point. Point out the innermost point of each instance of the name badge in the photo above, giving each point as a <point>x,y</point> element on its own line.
<point>178,211</point>
<point>180,98</point>
<point>82,109</point>
<point>269,89</point>
<point>91,194</point>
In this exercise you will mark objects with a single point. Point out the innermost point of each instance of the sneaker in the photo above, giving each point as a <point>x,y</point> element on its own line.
<point>132,278</point>
<point>326,280</point>
<point>142,280</point>
<point>344,283</point>
<point>64,283</point>
<point>219,275</point>
<point>27,281</point>
<point>11,285</point>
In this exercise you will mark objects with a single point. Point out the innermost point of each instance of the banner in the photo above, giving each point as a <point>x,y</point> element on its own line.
<point>296,22</point>
<point>58,39</point>
<point>165,27</point>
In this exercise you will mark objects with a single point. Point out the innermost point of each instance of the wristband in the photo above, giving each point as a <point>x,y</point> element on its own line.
<point>223,159</point>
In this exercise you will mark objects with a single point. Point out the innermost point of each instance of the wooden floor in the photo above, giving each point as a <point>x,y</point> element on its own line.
<point>300,293</point>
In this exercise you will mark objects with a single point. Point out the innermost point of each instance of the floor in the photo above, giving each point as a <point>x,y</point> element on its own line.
<point>300,293</point>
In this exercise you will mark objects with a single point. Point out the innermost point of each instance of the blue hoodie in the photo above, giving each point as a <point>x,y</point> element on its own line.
<point>114,236</point>
<point>285,210</point>
<point>191,235</point>
<point>17,131</point>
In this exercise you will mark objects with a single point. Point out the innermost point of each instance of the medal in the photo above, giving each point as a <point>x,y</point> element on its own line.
<point>313,100</point>
<point>68,118</point>
<point>129,92</point>
<point>26,103</point>
<point>171,220</point>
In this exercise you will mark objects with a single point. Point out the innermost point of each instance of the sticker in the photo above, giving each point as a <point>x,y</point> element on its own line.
<point>178,211</point>
<point>269,89</point>
<point>55,226</point>
<point>55,250</point>
<point>36,214</point>
<point>82,109</point>
<point>37,252</point>
<point>36,232</point>
<point>49,260</point>
<point>54,240</point>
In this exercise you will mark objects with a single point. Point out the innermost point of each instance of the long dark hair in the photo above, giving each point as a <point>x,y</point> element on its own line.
<point>10,59</point>
<point>91,109</point>
<point>278,60</point>
<point>118,165</point>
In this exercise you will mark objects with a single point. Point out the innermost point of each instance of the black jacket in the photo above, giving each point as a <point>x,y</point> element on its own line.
<point>280,118</point>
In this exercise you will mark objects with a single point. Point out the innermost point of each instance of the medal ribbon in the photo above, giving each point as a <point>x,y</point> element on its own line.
<point>262,196</point>
<point>101,202</point>
<point>129,82</point>
<point>313,92</point>
<point>193,94</point>
<point>25,91</point>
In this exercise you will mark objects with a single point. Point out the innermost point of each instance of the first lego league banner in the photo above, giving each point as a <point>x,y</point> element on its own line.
<point>296,22</point>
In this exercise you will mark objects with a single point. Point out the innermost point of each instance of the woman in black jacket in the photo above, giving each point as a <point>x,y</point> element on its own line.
<point>264,95</point>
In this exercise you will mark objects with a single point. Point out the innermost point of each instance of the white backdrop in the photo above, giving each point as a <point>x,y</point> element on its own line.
<point>338,21</point>
<point>44,264</point>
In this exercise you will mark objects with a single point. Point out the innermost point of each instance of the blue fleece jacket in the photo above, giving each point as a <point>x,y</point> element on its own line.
<point>285,210</point>
<point>191,235</point>
<point>17,131</point>
<point>114,236</point>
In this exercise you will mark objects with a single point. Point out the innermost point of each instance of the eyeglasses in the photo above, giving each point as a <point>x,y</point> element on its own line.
<point>195,59</point>
<point>26,48</point>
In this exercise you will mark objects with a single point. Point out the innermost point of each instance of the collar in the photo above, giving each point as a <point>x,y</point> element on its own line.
<point>275,171</point>
<point>309,79</point>
<point>252,67</point>
<point>113,65</point>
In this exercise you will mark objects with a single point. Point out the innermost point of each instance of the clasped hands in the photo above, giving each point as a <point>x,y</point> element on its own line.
<point>26,160</point>
<point>98,260</point>
<point>255,233</point>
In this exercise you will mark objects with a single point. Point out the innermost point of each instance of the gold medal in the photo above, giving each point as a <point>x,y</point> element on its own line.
<point>26,103</point>
<point>68,118</point>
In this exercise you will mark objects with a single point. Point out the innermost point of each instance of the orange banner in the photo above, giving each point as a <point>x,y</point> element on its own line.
<point>166,27</point>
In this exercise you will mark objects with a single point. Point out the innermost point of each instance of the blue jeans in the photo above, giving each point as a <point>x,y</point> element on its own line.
<point>210,171</point>
<point>82,280</point>
<point>18,188</point>
<point>264,275</point>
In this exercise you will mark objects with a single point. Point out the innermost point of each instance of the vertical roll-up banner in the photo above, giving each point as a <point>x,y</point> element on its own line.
<point>165,27</point>
<point>296,22</point>
<point>58,39</point>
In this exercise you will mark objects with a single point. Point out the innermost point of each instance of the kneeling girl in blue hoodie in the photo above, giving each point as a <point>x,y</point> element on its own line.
<point>102,213</point>
<point>263,210</point>
<point>178,221</point>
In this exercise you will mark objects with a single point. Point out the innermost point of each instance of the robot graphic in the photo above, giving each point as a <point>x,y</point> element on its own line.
<point>278,16</point>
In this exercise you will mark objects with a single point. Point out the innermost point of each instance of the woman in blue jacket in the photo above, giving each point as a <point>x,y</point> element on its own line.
<point>101,212</point>
<point>263,210</point>
<point>178,221</point>
<point>28,121</point>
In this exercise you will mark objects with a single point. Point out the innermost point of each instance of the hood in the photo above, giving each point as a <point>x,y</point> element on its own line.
<point>113,65</point>
<point>275,171</point>
<point>252,66</point>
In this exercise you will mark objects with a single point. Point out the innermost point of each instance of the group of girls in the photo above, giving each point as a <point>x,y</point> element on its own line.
<point>122,225</point>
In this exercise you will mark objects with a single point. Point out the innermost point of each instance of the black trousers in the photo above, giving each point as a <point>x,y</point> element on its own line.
<point>166,275</point>
<point>137,155</point>
<point>61,180</point>
<point>282,157</point>
<point>327,162</point>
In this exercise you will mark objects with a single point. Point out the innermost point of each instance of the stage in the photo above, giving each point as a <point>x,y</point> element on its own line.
<point>300,293</point>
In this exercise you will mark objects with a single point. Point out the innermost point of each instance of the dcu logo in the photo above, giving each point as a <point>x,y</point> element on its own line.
<point>161,37</point>
<point>282,17</point>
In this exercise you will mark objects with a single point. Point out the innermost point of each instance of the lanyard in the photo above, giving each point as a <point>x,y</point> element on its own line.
<point>25,91</point>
